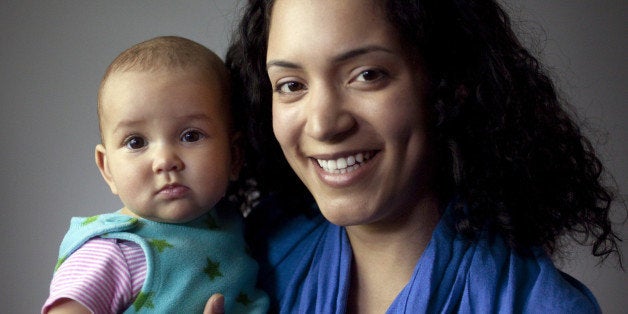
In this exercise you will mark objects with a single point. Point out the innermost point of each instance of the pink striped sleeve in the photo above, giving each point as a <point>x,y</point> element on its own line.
<point>104,275</point>
<point>136,261</point>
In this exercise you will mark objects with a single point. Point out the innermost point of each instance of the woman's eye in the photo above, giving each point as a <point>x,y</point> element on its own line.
<point>370,75</point>
<point>290,87</point>
<point>191,136</point>
<point>134,142</point>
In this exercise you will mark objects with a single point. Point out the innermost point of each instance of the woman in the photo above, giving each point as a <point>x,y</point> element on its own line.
<point>435,148</point>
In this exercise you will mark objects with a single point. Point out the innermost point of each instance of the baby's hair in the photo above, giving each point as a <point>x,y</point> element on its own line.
<point>167,52</point>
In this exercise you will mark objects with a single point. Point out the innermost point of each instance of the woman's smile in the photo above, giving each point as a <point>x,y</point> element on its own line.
<point>345,172</point>
<point>347,164</point>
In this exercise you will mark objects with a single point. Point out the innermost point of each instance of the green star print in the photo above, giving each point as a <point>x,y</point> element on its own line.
<point>212,269</point>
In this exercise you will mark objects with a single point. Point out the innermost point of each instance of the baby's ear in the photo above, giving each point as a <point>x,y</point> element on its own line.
<point>100,155</point>
<point>237,155</point>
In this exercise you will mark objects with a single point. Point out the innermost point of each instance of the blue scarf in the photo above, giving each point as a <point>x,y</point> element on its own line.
<point>308,262</point>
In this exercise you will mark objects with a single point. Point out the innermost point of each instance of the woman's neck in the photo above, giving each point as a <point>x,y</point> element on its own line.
<point>385,254</point>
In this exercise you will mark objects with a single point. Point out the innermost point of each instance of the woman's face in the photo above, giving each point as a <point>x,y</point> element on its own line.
<point>348,108</point>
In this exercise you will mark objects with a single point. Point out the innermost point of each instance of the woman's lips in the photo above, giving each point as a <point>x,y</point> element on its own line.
<point>340,172</point>
<point>345,164</point>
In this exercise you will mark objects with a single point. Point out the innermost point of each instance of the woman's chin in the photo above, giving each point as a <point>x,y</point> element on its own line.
<point>346,215</point>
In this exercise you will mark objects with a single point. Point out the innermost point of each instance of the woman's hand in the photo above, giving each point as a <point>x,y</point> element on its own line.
<point>215,304</point>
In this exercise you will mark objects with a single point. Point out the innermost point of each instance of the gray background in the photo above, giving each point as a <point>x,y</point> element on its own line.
<point>53,55</point>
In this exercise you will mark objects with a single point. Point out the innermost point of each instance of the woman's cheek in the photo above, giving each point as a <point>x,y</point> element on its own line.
<point>285,124</point>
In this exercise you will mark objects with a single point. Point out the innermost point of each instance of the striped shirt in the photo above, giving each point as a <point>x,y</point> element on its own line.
<point>104,275</point>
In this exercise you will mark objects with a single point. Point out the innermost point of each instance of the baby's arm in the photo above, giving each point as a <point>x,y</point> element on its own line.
<point>98,277</point>
<point>67,306</point>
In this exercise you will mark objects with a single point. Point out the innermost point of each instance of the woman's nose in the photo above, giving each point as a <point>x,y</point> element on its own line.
<point>166,159</point>
<point>327,117</point>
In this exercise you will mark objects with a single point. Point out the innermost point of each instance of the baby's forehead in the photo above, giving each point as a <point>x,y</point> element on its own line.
<point>207,72</point>
<point>214,79</point>
<point>204,89</point>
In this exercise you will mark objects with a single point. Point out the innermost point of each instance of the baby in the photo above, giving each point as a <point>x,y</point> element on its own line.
<point>169,149</point>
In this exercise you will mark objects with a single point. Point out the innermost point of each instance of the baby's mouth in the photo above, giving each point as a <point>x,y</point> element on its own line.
<point>345,164</point>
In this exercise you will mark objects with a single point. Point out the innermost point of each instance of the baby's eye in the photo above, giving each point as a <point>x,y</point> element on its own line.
<point>289,87</point>
<point>370,75</point>
<point>134,142</point>
<point>191,136</point>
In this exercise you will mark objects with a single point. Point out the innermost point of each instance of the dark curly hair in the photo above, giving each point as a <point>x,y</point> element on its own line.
<point>510,155</point>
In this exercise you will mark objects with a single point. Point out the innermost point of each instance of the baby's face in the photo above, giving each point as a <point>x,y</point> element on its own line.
<point>167,146</point>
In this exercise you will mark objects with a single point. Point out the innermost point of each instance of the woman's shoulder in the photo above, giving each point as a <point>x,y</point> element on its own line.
<point>529,281</point>
<point>484,274</point>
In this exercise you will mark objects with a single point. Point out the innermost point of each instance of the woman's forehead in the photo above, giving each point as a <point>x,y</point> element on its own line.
<point>327,27</point>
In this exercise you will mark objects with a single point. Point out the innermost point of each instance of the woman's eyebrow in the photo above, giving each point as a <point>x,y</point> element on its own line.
<point>353,53</point>
<point>348,55</point>
<point>281,64</point>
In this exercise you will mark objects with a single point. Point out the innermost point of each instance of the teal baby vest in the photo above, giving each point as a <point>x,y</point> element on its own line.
<point>186,263</point>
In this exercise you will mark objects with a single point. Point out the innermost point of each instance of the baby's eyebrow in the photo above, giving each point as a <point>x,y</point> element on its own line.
<point>125,124</point>
<point>196,116</point>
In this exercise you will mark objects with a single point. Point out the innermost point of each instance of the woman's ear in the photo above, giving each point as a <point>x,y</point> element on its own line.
<point>237,155</point>
<point>100,155</point>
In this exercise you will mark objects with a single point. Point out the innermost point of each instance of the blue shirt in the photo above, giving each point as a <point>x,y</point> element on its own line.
<point>305,267</point>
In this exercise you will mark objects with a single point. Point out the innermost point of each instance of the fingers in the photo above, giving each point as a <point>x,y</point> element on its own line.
<point>215,304</point>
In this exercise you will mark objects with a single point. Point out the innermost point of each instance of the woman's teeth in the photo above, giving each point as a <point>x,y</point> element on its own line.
<point>344,164</point>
